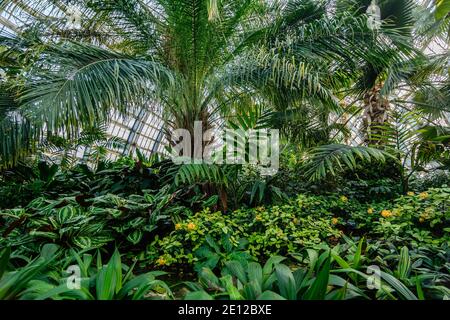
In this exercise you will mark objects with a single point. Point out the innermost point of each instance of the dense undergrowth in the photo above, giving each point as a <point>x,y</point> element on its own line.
<point>178,238</point>
<point>353,93</point>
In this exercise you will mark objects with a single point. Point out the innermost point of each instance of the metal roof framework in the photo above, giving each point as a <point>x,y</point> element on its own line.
<point>142,129</point>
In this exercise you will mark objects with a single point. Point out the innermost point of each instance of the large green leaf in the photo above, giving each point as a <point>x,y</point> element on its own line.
<point>318,289</point>
<point>335,158</point>
<point>270,295</point>
<point>4,259</point>
<point>198,295</point>
<point>442,9</point>
<point>286,282</point>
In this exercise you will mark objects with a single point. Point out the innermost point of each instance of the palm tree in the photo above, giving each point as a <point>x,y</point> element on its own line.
<point>407,82</point>
<point>196,59</point>
<point>419,86</point>
<point>376,113</point>
<point>381,78</point>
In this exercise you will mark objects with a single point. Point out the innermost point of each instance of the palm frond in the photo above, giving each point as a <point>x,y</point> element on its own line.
<point>329,160</point>
<point>194,174</point>
<point>78,85</point>
<point>17,133</point>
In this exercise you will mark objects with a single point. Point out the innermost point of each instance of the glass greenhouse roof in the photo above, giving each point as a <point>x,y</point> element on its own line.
<point>142,129</point>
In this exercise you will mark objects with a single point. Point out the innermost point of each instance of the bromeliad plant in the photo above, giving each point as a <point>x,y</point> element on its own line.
<point>14,283</point>
<point>113,281</point>
<point>238,281</point>
<point>326,277</point>
<point>353,270</point>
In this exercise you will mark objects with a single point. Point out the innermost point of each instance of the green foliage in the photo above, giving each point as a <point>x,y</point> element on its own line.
<point>86,222</point>
<point>192,174</point>
<point>319,274</point>
<point>284,229</point>
<point>192,234</point>
<point>442,9</point>
<point>249,281</point>
<point>94,141</point>
<point>28,181</point>
<point>275,230</point>
<point>248,187</point>
<point>437,179</point>
<point>213,254</point>
<point>13,284</point>
<point>418,219</point>
<point>271,55</point>
<point>113,281</point>
<point>307,221</point>
<point>157,227</point>
<point>331,159</point>
<point>312,69</point>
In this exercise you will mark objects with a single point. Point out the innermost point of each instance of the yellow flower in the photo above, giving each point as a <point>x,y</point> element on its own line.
<point>410,194</point>
<point>423,195</point>
<point>335,221</point>
<point>258,217</point>
<point>191,226</point>
<point>370,211</point>
<point>161,261</point>
<point>386,213</point>
<point>421,220</point>
<point>260,208</point>
<point>178,226</point>
<point>425,216</point>
<point>344,199</point>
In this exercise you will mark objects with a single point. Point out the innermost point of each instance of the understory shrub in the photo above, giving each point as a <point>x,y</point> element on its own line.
<point>414,220</point>
<point>267,231</point>
<point>84,222</point>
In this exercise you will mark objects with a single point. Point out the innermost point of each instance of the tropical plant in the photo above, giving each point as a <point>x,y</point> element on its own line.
<point>324,275</point>
<point>169,52</point>
<point>113,281</point>
<point>255,282</point>
<point>332,159</point>
<point>215,253</point>
<point>94,141</point>
<point>13,284</point>
<point>417,144</point>
<point>87,222</point>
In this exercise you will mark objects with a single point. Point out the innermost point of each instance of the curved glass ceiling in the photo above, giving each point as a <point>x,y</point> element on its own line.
<point>143,129</point>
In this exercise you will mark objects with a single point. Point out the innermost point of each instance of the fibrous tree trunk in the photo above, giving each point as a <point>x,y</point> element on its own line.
<point>376,115</point>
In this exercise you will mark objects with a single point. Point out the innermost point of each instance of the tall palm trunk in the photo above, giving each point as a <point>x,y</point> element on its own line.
<point>376,114</point>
